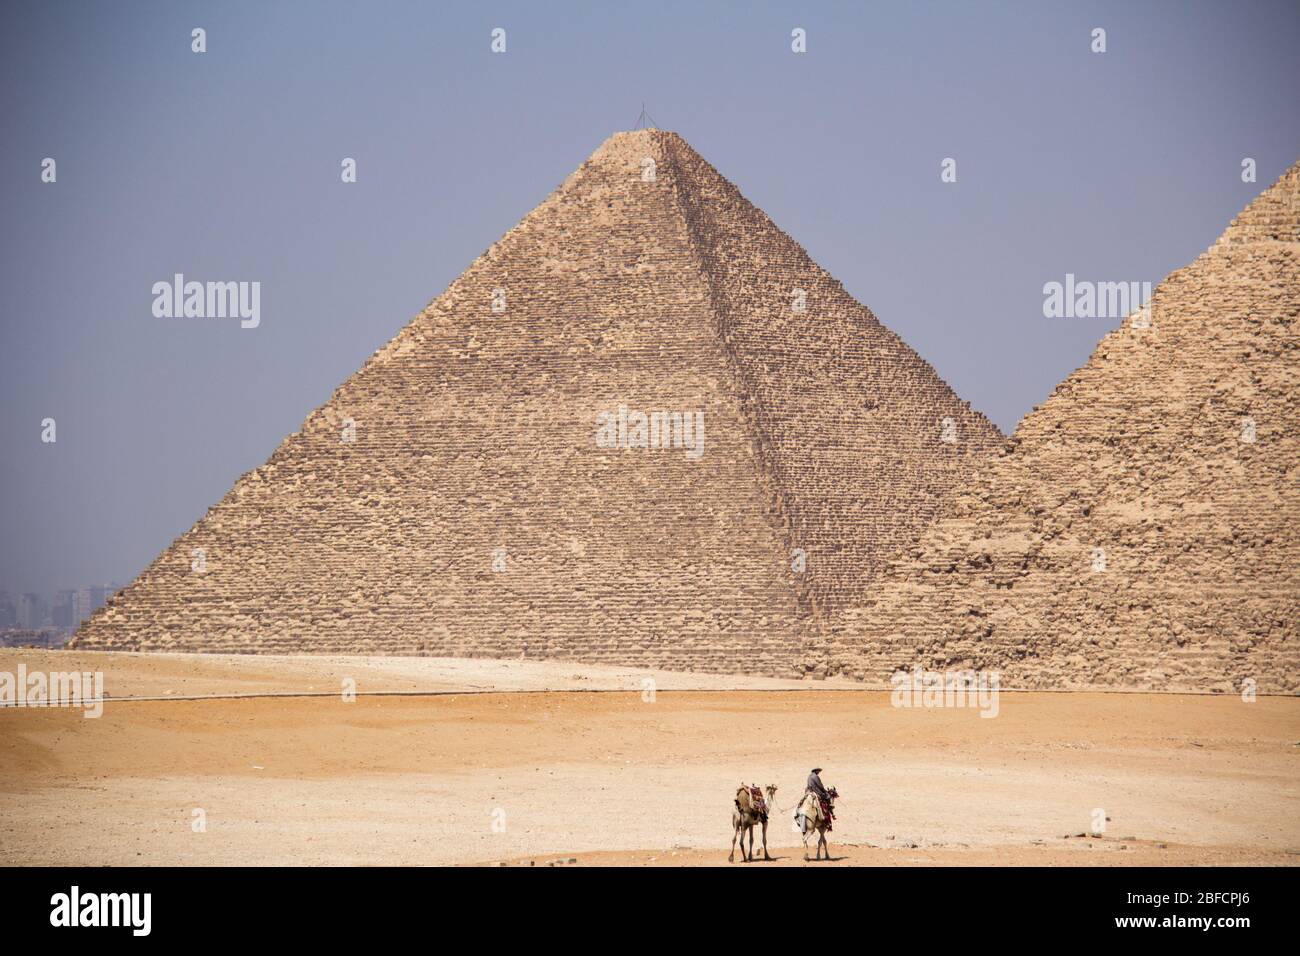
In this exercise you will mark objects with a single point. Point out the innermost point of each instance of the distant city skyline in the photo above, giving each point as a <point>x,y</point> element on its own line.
<point>63,608</point>
<point>904,150</point>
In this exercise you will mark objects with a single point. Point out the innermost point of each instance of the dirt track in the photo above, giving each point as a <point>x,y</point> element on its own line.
<point>612,778</point>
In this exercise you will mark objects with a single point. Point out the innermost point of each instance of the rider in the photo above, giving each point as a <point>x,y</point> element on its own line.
<point>815,785</point>
<point>823,796</point>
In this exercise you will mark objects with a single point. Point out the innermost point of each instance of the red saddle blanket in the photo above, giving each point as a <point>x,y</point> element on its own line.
<point>827,814</point>
<point>756,800</point>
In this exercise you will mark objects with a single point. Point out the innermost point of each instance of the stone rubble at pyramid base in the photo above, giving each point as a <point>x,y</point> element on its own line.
<point>1068,663</point>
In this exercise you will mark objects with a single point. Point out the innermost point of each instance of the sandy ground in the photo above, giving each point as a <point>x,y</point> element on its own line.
<point>520,774</point>
<point>1092,851</point>
<point>182,675</point>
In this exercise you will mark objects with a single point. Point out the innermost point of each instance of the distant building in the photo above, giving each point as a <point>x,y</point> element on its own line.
<point>31,611</point>
<point>8,611</point>
<point>41,637</point>
<point>64,612</point>
<point>90,599</point>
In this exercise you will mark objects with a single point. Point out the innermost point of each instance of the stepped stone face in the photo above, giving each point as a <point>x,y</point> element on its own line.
<point>456,497</point>
<point>1142,530</point>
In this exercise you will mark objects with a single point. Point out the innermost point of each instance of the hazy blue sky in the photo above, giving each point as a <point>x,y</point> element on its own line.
<point>1116,166</point>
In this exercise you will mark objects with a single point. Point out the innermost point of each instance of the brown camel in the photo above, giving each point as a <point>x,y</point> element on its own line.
<point>809,819</point>
<point>746,814</point>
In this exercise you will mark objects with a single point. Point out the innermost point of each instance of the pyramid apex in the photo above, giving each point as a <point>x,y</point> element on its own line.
<point>641,133</point>
<point>632,144</point>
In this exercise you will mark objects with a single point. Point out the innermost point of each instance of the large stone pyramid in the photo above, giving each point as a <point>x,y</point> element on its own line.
<point>459,494</point>
<point>1142,530</point>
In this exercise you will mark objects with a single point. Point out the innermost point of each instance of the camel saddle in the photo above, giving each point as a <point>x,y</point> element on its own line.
<point>816,810</point>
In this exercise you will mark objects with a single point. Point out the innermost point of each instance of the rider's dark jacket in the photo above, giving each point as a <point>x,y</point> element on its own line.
<point>815,785</point>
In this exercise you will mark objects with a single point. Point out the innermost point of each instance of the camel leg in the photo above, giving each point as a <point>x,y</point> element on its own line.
<point>765,856</point>
<point>751,843</point>
<point>735,830</point>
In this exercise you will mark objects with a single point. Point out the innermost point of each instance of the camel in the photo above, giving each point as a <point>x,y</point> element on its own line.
<point>743,818</point>
<point>808,818</point>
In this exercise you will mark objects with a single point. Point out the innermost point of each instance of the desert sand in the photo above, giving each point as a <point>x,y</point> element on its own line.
<point>482,761</point>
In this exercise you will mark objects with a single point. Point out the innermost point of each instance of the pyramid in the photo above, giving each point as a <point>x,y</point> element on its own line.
<point>1142,529</point>
<point>479,486</point>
